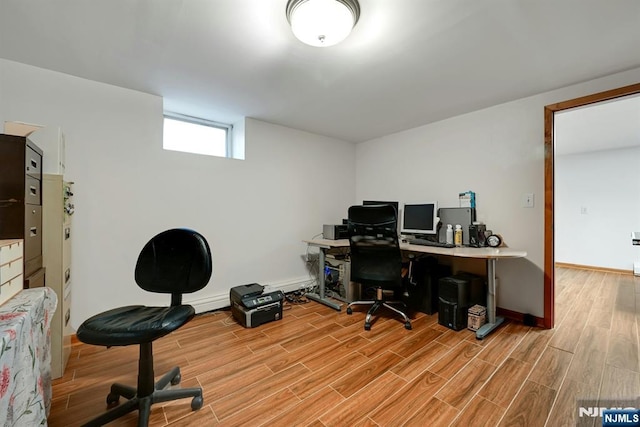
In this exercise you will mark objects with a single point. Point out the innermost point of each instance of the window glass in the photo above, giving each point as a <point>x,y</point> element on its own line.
<point>192,135</point>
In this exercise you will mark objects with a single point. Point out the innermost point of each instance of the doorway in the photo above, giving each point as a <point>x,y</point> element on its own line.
<point>549,153</point>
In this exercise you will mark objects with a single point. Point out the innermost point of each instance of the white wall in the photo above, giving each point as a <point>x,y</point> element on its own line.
<point>254,212</point>
<point>497,152</point>
<point>597,208</point>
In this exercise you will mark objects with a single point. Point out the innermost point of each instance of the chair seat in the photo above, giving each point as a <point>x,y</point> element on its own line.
<point>134,324</point>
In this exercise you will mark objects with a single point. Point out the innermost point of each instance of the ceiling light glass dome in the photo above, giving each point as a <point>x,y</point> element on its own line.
<point>322,23</point>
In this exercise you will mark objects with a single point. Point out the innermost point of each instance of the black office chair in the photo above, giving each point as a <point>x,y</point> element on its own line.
<point>376,260</point>
<point>175,262</point>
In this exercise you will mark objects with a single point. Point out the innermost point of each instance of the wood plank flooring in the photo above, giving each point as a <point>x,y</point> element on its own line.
<point>318,367</point>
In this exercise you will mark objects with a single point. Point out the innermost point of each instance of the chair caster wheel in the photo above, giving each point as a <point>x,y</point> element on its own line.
<point>176,380</point>
<point>196,403</point>
<point>349,311</point>
<point>113,399</point>
<point>367,326</point>
<point>407,325</point>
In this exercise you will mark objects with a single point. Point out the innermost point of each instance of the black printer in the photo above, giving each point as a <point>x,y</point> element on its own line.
<point>252,307</point>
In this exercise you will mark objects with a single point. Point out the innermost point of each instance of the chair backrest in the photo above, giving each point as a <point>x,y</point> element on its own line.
<point>374,248</point>
<point>176,262</point>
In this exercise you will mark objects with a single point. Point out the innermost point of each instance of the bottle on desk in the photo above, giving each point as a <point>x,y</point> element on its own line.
<point>449,234</point>
<point>457,239</point>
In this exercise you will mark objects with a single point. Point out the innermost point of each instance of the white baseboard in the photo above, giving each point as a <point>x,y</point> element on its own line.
<point>216,302</point>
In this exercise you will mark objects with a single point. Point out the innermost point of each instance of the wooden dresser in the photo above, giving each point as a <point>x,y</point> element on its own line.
<point>11,267</point>
<point>21,202</point>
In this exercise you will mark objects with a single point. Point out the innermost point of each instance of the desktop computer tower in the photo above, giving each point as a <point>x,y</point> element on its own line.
<point>422,284</point>
<point>455,295</point>
<point>337,280</point>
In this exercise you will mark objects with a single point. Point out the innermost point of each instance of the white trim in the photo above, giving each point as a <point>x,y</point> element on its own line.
<point>198,120</point>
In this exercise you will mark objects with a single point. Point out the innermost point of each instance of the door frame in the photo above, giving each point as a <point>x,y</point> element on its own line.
<point>549,157</point>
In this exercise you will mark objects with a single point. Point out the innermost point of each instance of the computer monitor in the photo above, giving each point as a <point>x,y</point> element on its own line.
<point>420,218</point>
<point>374,202</point>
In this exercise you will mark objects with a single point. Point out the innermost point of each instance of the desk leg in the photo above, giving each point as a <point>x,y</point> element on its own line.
<point>492,321</point>
<point>321,298</point>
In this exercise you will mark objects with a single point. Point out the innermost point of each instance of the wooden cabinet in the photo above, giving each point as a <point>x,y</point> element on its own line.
<point>57,211</point>
<point>21,201</point>
<point>11,268</point>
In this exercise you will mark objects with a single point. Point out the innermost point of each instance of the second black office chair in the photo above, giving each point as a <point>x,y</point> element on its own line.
<point>376,260</point>
<point>175,262</point>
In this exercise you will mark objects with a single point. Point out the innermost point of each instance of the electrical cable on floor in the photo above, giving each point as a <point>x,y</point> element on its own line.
<point>296,297</point>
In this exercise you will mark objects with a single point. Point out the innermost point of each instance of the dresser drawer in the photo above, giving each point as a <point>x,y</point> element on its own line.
<point>33,163</point>
<point>32,265</point>
<point>10,252</point>
<point>35,280</point>
<point>33,231</point>
<point>32,191</point>
<point>66,248</point>
<point>10,288</point>
<point>10,270</point>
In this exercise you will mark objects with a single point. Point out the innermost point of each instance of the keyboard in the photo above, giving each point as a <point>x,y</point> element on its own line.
<point>425,242</point>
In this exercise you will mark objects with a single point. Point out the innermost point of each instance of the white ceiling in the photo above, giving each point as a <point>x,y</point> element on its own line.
<point>407,62</point>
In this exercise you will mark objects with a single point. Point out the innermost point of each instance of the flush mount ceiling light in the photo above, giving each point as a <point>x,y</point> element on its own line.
<point>322,23</point>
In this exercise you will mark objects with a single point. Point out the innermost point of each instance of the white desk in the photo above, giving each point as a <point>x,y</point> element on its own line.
<point>491,255</point>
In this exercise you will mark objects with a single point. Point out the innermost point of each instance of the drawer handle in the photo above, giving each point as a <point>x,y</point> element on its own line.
<point>34,163</point>
<point>33,190</point>
<point>33,231</point>
<point>67,275</point>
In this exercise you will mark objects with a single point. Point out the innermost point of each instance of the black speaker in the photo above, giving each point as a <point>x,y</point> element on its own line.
<point>422,284</point>
<point>455,295</point>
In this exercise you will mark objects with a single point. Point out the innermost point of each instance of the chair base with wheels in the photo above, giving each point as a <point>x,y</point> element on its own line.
<point>375,305</point>
<point>146,393</point>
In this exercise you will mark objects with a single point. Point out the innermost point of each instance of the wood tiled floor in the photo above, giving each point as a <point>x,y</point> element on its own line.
<point>318,367</point>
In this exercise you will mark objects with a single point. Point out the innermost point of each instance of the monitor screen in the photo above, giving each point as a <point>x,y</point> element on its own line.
<point>374,202</point>
<point>420,218</point>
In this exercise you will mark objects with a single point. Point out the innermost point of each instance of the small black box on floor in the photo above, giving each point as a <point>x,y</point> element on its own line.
<point>455,295</point>
<point>252,307</point>
<point>422,284</point>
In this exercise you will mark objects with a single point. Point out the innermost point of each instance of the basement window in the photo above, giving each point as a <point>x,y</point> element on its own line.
<point>197,136</point>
